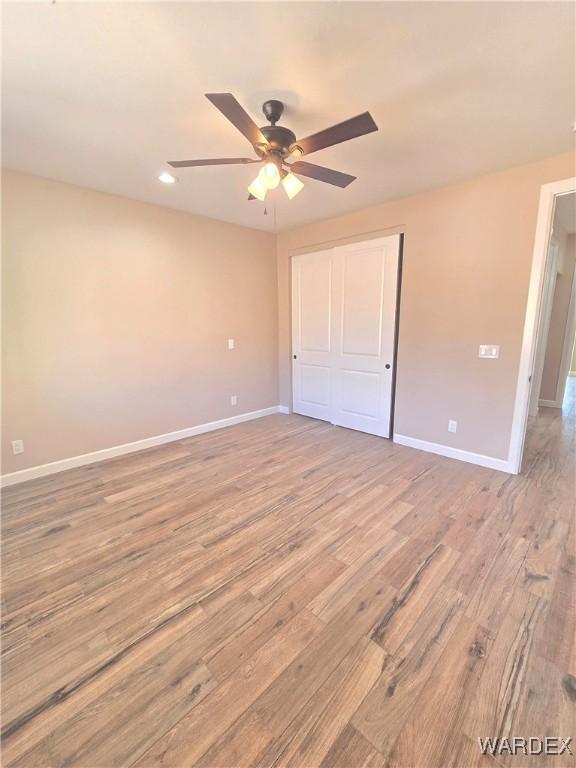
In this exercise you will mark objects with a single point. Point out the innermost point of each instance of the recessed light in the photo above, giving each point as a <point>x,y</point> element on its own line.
<point>167,178</point>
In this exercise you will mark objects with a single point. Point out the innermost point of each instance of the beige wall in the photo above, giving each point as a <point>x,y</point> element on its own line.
<point>116,313</point>
<point>573,363</point>
<point>116,320</point>
<point>467,258</point>
<point>559,315</point>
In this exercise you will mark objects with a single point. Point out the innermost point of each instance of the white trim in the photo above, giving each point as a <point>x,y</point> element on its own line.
<point>454,453</point>
<point>567,345</point>
<point>548,194</point>
<point>119,450</point>
<point>283,409</point>
<point>549,404</point>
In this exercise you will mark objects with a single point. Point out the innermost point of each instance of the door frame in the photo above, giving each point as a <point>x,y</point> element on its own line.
<point>396,334</point>
<point>548,195</point>
<point>363,237</point>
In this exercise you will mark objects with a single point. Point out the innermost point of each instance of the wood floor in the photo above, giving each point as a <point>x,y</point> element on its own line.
<point>288,593</point>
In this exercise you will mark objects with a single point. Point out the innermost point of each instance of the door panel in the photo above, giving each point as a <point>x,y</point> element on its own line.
<point>362,303</point>
<point>312,334</point>
<point>315,384</point>
<point>343,331</point>
<point>314,306</point>
<point>359,393</point>
<point>364,297</point>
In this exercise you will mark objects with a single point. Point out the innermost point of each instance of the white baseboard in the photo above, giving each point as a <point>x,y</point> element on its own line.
<point>283,409</point>
<point>549,404</point>
<point>119,450</point>
<point>455,453</point>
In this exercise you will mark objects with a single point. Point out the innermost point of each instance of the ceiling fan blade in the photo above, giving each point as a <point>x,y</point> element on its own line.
<point>336,178</point>
<point>213,161</point>
<point>237,115</point>
<point>349,129</point>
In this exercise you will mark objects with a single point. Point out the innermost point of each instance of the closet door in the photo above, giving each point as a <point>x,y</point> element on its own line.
<point>312,365</point>
<point>364,321</point>
<point>343,328</point>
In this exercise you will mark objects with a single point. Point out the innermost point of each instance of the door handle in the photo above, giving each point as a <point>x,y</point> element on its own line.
<point>387,365</point>
<point>294,356</point>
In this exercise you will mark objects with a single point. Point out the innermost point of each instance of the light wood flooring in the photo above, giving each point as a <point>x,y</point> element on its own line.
<point>288,593</point>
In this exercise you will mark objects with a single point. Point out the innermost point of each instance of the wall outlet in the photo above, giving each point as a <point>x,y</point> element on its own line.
<point>17,447</point>
<point>231,343</point>
<point>234,400</point>
<point>452,425</point>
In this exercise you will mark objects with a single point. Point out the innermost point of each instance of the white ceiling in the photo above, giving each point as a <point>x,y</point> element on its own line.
<point>102,94</point>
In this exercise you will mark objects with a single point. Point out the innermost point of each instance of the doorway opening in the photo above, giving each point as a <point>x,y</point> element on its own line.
<point>556,333</point>
<point>545,389</point>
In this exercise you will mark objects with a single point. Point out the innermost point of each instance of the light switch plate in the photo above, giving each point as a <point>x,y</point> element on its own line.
<point>491,351</point>
<point>17,447</point>
<point>230,343</point>
<point>233,400</point>
<point>452,425</point>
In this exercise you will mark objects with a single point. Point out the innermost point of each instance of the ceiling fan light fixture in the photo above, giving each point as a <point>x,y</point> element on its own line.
<point>258,189</point>
<point>270,175</point>
<point>292,185</point>
<point>274,144</point>
<point>167,178</point>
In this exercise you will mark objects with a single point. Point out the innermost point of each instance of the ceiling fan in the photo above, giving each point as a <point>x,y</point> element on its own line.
<point>275,144</point>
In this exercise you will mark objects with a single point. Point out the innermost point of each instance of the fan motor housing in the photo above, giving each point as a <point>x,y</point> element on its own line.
<point>279,139</point>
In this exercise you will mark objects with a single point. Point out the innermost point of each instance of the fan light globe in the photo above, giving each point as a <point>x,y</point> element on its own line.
<point>292,185</point>
<point>270,176</point>
<point>258,188</point>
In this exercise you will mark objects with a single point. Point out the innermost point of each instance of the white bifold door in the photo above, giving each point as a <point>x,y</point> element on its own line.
<point>343,333</point>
